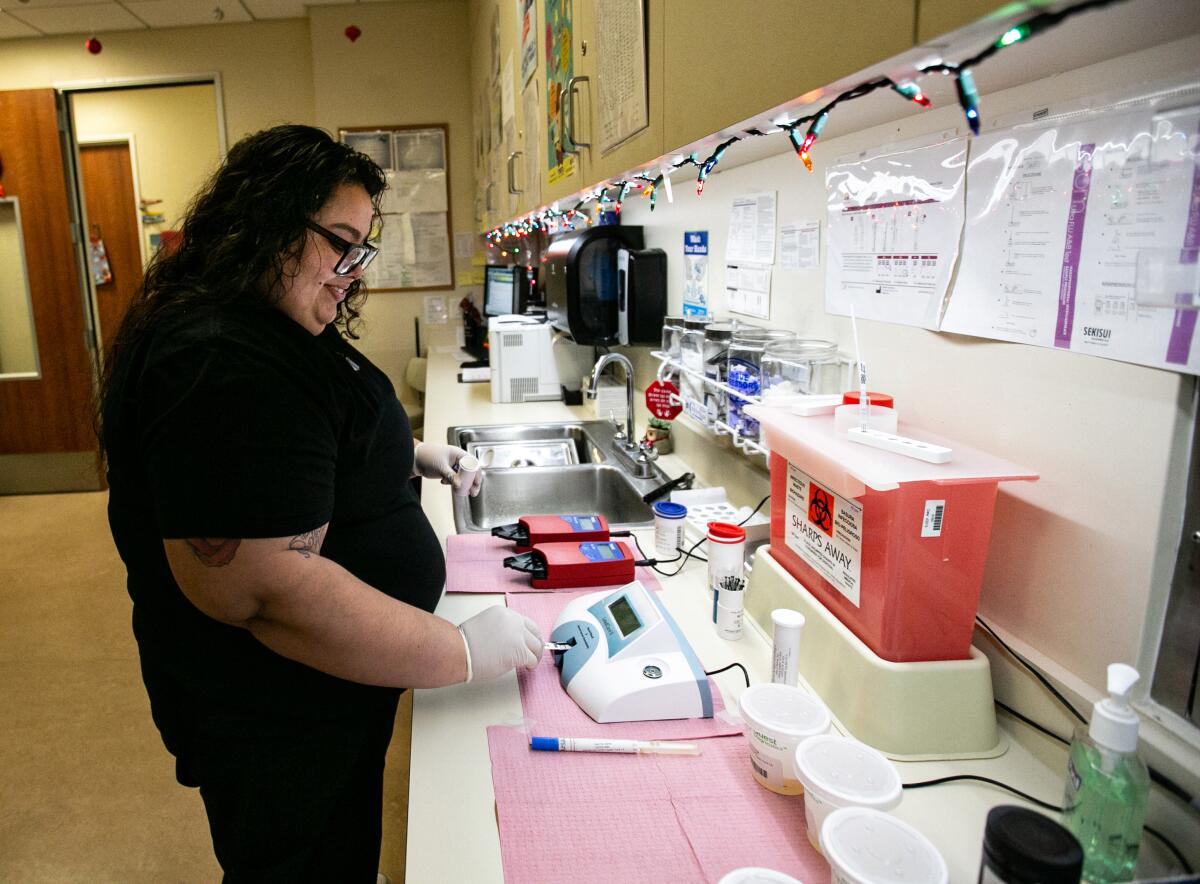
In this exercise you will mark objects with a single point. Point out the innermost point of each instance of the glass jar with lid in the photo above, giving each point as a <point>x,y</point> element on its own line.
<point>717,338</point>
<point>801,365</point>
<point>672,331</point>
<point>745,372</point>
<point>691,357</point>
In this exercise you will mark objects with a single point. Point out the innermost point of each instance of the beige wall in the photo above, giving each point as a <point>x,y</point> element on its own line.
<point>174,130</point>
<point>411,65</point>
<point>266,68</point>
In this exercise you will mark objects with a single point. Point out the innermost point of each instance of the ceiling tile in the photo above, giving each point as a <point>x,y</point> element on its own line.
<point>77,18</point>
<point>182,13</point>
<point>18,6</point>
<point>264,9</point>
<point>10,27</point>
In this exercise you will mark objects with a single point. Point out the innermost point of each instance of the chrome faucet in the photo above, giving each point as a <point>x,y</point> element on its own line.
<point>630,441</point>
<point>638,458</point>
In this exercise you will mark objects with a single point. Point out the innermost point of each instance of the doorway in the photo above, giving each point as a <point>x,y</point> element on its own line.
<point>115,256</point>
<point>144,149</point>
<point>174,136</point>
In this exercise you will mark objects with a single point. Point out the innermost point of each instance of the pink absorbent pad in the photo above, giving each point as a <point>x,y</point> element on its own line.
<point>550,712</point>
<point>641,818</point>
<point>475,563</point>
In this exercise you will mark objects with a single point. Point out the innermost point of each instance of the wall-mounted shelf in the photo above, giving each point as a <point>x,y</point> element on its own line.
<point>716,428</point>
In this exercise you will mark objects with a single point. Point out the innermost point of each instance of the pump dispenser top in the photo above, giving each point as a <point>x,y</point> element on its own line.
<point>1114,723</point>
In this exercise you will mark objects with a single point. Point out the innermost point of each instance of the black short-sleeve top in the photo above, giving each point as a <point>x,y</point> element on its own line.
<point>236,422</point>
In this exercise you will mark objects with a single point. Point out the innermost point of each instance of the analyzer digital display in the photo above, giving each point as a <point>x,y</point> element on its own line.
<point>622,612</point>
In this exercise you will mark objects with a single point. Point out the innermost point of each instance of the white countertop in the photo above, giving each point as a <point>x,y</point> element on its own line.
<point>452,830</point>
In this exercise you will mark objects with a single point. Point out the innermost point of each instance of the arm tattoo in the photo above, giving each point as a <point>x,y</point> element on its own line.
<point>214,552</point>
<point>307,543</point>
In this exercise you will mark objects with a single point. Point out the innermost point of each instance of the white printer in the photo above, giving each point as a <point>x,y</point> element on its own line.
<point>523,369</point>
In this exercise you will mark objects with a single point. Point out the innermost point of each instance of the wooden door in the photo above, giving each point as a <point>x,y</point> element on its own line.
<point>46,438</point>
<point>106,178</point>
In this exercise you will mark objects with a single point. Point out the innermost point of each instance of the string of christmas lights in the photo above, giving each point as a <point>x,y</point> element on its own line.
<point>550,220</point>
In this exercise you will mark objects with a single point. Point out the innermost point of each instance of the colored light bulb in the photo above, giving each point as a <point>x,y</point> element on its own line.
<point>968,97</point>
<point>912,92</point>
<point>807,160</point>
<point>1013,35</point>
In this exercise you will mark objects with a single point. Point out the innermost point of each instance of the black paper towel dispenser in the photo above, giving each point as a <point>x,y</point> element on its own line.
<point>580,281</point>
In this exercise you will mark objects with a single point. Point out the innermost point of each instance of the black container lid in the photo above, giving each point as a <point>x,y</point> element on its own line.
<point>1025,845</point>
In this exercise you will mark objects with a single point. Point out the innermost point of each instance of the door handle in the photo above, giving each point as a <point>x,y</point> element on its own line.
<point>572,91</point>
<point>512,188</point>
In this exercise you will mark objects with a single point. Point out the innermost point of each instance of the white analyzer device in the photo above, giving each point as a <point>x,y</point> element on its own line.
<point>627,660</point>
<point>523,368</point>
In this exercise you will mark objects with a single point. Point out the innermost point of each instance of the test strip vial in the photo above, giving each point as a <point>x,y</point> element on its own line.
<point>669,519</point>
<point>785,655</point>
<point>468,465</point>
<point>726,553</point>
<point>729,608</point>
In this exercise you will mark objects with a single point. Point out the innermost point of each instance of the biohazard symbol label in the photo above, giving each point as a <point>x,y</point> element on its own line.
<point>820,508</point>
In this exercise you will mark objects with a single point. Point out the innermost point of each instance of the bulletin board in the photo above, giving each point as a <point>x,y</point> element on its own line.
<point>415,231</point>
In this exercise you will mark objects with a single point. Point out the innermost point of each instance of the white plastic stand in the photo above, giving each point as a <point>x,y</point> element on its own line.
<point>908,711</point>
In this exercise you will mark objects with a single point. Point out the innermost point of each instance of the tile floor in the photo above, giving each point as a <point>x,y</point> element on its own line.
<point>87,791</point>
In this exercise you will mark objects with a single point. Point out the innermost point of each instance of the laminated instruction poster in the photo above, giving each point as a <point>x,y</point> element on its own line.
<point>559,70</point>
<point>1057,218</point>
<point>695,273</point>
<point>893,225</point>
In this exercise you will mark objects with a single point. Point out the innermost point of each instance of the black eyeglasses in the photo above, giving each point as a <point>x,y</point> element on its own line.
<point>354,254</point>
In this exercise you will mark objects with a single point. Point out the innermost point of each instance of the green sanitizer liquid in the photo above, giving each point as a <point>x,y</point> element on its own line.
<point>1105,807</point>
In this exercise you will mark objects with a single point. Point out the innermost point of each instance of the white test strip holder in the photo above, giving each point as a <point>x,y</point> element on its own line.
<point>904,445</point>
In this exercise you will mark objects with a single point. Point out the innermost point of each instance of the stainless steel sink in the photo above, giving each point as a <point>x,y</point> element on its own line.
<point>516,485</point>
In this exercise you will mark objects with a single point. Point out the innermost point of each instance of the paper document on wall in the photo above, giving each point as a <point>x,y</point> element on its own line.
<point>893,226</point>
<point>800,245</point>
<point>620,78</point>
<point>748,289</point>
<point>416,191</point>
<point>1056,220</point>
<point>414,252</point>
<point>751,229</point>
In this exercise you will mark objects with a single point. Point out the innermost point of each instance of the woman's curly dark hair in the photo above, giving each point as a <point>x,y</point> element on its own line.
<point>244,232</point>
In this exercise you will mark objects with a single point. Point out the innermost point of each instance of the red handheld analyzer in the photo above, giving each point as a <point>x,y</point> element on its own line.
<point>531,531</point>
<point>566,565</point>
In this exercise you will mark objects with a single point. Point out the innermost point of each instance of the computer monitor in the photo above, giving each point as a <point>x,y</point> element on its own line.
<point>500,293</point>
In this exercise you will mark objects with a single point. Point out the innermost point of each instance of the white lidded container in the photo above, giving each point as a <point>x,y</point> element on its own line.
<point>756,875</point>
<point>838,772</point>
<point>867,846</point>
<point>778,718</point>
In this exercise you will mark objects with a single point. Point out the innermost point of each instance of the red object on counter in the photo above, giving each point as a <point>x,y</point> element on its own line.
<point>852,397</point>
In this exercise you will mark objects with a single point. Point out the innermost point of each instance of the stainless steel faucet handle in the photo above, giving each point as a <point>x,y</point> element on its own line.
<point>619,435</point>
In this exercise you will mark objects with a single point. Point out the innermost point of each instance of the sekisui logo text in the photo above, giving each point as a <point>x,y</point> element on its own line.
<point>1093,333</point>
<point>820,508</point>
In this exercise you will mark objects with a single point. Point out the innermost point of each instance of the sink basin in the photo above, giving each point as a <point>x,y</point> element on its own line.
<point>538,469</point>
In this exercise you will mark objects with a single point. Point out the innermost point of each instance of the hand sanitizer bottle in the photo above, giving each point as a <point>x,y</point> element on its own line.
<point>1107,784</point>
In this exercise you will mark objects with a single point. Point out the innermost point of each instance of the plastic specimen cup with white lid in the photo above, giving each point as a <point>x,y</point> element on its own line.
<point>837,772</point>
<point>778,718</point>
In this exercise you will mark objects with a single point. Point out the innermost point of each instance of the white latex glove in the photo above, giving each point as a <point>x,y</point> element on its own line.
<point>435,461</point>
<point>499,639</point>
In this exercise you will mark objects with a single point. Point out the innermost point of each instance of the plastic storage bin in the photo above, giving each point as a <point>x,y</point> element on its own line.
<point>892,546</point>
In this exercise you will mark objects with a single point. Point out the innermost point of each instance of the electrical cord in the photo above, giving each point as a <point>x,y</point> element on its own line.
<point>753,511</point>
<point>745,674</point>
<point>957,777</point>
<point>1033,670</point>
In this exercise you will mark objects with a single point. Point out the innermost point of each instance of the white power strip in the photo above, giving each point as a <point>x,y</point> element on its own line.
<point>915,448</point>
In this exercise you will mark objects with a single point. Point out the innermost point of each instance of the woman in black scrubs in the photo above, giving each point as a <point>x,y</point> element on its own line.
<point>280,565</point>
